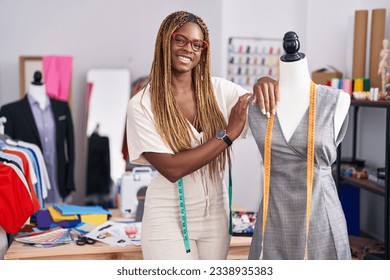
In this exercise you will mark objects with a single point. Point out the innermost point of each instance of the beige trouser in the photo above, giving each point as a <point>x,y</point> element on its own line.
<point>207,221</point>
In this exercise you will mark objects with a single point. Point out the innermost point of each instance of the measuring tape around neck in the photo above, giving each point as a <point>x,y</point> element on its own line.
<point>183,214</point>
<point>310,167</point>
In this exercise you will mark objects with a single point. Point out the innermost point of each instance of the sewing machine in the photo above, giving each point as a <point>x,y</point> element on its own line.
<point>130,184</point>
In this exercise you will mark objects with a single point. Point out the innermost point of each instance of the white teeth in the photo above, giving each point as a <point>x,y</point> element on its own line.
<point>184,59</point>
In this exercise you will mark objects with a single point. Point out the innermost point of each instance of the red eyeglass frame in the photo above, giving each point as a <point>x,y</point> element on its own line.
<point>205,44</point>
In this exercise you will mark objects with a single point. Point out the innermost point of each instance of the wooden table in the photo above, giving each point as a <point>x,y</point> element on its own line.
<point>239,249</point>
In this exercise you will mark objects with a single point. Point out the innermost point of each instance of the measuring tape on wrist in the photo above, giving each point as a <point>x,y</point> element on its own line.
<point>183,214</point>
<point>310,167</point>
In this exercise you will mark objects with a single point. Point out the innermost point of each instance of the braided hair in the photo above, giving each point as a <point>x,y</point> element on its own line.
<point>169,121</point>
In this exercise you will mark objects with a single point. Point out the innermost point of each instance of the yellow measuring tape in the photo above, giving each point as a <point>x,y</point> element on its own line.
<point>310,167</point>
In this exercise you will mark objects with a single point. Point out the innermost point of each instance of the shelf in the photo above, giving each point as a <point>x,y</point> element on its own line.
<point>364,184</point>
<point>252,65</point>
<point>367,103</point>
<point>259,54</point>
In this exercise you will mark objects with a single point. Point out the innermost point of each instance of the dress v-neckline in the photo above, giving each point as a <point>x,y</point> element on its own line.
<point>304,116</point>
<point>295,131</point>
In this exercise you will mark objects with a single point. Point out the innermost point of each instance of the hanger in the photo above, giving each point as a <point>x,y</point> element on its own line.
<point>96,130</point>
<point>3,136</point>
<point>3,120</point>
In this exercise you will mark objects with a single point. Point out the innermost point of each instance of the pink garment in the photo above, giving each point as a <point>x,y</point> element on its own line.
<point>89,92</point>
<point>57,74</point>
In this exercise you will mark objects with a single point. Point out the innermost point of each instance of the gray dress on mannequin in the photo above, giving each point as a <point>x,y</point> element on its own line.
<point>285,233</point>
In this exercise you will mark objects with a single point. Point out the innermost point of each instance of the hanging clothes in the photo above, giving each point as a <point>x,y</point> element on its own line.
<point>98,169</point>
<point>29,174</point>
<point>22,125</point>
<point>20,187</point>
<point>57,71</point>
<point>30,161</point>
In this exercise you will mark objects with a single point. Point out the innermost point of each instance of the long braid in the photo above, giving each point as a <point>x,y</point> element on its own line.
<point>169,121</point>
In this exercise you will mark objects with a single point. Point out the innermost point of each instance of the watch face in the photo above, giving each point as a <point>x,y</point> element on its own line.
<point>221,133</point>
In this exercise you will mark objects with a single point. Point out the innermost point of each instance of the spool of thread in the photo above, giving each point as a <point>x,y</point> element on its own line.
<point>347,86</point>
<point>358,85</point>
<point>376,94</point>
<point>366,84</point>
<point>340,84</point>
<point>335,83</point>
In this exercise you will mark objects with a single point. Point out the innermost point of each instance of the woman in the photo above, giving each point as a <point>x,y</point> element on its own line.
<point>182,123</point>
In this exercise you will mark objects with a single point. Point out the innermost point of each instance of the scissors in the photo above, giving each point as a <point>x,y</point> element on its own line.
<point>82,240</point>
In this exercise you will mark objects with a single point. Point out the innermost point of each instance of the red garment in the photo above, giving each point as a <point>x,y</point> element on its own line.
<point>15,201</point>
<point>27,174</point>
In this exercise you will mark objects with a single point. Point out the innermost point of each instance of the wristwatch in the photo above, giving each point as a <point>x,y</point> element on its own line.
<point>221,135</point>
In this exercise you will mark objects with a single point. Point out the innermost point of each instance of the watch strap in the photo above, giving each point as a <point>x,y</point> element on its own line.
<point>227,140</point>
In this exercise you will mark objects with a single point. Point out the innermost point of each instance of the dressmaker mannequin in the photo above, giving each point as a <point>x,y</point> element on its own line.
<point>294,89</point>
<point>48,125</point>
<point>285,233</point>
<point>37,90</point>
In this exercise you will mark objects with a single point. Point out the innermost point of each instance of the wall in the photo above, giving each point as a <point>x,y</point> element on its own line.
<point>256,19</point>
<point>98,34</point>
<point>330,42</point>
<point>121,33</point>
<point>325,29</point>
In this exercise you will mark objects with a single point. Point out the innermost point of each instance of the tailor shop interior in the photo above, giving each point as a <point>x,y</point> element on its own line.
<point>64,165</point>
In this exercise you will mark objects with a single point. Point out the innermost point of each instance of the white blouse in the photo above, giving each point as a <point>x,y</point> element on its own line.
<point>142,135</point>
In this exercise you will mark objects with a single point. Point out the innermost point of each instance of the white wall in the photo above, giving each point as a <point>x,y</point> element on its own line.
<point>325,29</point>
<point>256,19</point>
<point>98,34</point>
<point>330,41</point>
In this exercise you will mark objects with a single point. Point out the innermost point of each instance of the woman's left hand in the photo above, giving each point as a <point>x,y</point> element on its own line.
<point>266,95</point>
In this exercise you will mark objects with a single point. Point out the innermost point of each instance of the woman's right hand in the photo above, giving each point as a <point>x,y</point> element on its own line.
<point>238,116</point>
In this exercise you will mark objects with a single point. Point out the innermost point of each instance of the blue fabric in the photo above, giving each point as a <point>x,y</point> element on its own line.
<point>78,210</point>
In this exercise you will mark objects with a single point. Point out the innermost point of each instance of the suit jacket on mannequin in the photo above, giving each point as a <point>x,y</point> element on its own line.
<point>21,125</point>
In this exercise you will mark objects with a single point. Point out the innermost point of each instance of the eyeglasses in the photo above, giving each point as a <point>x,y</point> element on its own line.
<point>181,41</point>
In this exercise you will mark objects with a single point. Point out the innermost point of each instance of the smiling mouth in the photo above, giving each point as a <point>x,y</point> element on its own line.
<point>184,59</point>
